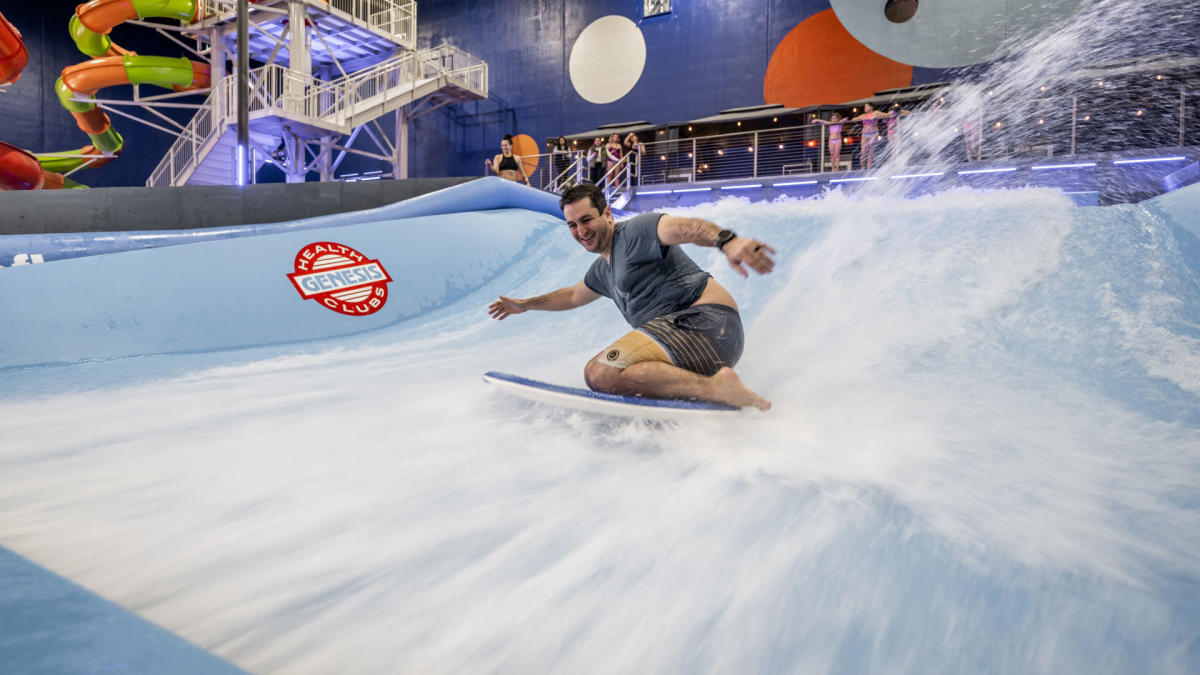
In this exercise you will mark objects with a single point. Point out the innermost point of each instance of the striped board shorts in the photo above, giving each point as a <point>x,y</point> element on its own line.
<point>701,338</point>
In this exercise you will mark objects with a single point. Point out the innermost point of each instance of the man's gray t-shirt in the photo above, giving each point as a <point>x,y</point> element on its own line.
<point>645,278</point>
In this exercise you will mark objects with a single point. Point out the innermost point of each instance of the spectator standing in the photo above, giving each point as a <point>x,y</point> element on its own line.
<point>893,127</point>
<point>613,151</point>
<point>834,141</point>
<point>560,156</point>
<point>596,161</point>
<point>506,164</point>
<point>634,150</point>
<point>870,134</point>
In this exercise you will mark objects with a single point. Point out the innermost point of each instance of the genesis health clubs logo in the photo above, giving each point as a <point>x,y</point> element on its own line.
<point>340,278</point>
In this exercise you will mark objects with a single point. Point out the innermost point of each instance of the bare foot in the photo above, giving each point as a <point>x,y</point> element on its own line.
<point>727,388</point>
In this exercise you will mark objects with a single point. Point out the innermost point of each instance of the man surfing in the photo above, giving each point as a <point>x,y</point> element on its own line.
<point>687,331</point>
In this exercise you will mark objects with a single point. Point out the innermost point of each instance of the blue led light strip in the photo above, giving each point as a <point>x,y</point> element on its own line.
<point>971,171</point>
<point>1045,167</point>
<point>919,175</point>
<point>1149,159</point>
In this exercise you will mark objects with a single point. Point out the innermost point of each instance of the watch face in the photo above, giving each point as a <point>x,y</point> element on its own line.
<point>656,7</point>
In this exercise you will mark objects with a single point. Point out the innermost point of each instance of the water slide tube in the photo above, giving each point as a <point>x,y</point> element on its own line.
<point>19,169</point>
<point>111,65</point>
<point>13,54</point>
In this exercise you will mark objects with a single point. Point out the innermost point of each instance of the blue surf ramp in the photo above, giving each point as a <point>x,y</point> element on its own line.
<point>235,291</point>
<point>984,438</point>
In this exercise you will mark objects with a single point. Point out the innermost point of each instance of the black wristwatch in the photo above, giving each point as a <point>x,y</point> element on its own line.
<point>724,237</point>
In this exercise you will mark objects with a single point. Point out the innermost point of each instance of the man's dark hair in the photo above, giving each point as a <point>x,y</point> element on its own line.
<point>591,192</point>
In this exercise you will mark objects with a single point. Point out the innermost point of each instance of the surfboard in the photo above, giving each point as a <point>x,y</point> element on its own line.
<point>585,400</point>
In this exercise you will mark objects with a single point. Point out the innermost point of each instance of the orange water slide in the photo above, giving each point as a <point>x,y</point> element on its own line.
<point>113,66</point>
<point>13,54</point>
<point>89,77</point>
<point>20,170</point>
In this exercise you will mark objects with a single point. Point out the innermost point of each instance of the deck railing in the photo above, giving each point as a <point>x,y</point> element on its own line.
<point>341,104</point>
<point>394,18</point>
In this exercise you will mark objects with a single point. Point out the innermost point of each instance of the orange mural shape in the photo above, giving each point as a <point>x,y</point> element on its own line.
<point>528,150</point>
<point>820,62</point>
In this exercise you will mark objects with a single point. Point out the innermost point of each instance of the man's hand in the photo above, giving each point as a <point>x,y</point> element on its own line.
<point>505,307</point>
<point>750,252</point>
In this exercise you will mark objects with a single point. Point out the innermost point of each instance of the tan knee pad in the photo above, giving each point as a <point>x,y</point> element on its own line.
<point>633,347</point>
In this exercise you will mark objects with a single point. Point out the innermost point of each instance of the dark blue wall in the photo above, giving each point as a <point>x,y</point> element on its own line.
<point>707,55</point>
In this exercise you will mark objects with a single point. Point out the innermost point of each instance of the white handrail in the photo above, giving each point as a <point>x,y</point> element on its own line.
<point>279,90</point>
<point>396,18</point>
<point>616,180</point>
<point>185,151</point>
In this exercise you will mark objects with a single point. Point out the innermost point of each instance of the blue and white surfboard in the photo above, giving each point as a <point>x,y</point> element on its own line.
<point>585,400</point>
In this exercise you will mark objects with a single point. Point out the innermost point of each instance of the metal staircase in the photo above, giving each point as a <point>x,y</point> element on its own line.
<point>329,79</point>
<point>617,182</point>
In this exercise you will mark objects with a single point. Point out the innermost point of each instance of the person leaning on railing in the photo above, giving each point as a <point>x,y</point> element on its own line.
<point>634,149</point>
<point>597,161</point>
<point>506,164</point>
<point>613,151</point>
<point>560,156</point>
<point>834,142</point>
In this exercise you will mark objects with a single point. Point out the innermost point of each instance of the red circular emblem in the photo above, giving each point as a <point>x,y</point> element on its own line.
<point>340,278</point>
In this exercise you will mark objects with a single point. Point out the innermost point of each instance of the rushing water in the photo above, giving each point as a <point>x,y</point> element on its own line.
<point>1079,85</point>
<point>983,457</point>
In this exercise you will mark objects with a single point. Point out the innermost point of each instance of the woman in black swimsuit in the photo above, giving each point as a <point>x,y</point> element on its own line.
<point>506,164</point>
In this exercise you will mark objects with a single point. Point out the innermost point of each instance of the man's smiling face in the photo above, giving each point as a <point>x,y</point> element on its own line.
<point>592,229</point>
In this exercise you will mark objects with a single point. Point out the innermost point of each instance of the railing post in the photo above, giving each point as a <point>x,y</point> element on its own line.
<point>1182,113</point>
<point>693,177</point>
<point>755,153</point>
<point>822,145</point>
<point>1074,115</point>
<point>241,151</point>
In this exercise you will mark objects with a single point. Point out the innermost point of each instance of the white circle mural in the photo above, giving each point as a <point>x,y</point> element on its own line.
<point>947,33</point>
<point>607,59</point>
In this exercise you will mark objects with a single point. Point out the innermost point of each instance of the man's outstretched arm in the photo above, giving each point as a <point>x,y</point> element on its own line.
<point>739,250</point>
<point>556,301</point>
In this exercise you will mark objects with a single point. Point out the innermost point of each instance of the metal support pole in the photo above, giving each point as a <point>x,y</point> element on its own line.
<point>216,63</point>
<point>400,156</point>
<point>294,147</point>
<point>822,146</point>
<point>1182,113</point>
<point>299,59</point>
<point>1074,115</point>
<point>755,153</point>
<point>693,178</point>
<point>244,170</point>
<point>326,163</point>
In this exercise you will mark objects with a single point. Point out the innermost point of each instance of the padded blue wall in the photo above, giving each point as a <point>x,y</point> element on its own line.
<point>230,290</point>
